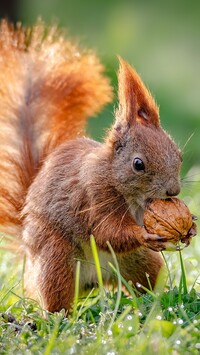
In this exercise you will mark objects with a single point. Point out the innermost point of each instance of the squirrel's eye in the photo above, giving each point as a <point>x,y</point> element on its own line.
<point>138,164</point>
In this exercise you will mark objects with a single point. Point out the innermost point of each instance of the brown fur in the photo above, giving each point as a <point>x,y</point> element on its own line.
<point>48,89</point>
<point>56,192</point>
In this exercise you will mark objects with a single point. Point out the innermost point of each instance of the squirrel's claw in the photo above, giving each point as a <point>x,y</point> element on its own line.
<point>191,233</point>
<point>155,242</point>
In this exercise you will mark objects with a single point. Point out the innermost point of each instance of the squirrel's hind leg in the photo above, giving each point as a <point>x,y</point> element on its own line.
<point>141,267</point>
<point>50,275</point>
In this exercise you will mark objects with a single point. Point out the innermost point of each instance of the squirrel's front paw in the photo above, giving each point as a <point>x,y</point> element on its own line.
<point>157,243</point>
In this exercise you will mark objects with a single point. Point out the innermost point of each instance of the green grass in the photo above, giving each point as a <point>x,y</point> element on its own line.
<point>166,320</point>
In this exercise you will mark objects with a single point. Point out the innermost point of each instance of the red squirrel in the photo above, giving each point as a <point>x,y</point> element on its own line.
<point>58,187</point>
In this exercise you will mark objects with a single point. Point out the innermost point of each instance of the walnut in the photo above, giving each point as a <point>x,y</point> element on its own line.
<point>170,218</point>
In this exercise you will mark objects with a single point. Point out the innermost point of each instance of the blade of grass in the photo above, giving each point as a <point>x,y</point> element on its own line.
<point>168,271</point>
<point>85,308</point>
<point>9,290</point>
<point>23,273</point>
<point>184,282</point>
<point>76,293</point>
<point>53,337</point>
<point>98,270</point>
<point>119,288</point>
<point>85,301</point>
<point>180,290</point>
<point>149,282</point>
<point>152,314</point>
<point>88,303</point>
<point>149,292</point>
<point>123,314</point>
<point>128,287</point>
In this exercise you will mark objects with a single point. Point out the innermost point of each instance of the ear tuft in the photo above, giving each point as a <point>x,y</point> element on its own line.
<point>136,103</point>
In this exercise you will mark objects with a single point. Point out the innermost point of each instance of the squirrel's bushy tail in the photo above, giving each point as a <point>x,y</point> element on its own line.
<point>47,91</point>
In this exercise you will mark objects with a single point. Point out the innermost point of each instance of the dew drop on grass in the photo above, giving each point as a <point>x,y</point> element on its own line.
<point>178,342</point>
<point>180,321</point>
<point>170,309</point>
<point>159,317</point>
<point>109,332</point>
<point>195,321</point>
<point>174,322</point>
<point>140,314</point>
<point>103,342</point>
<point>130,328</point>
<point>120,325</point>
<point>197,346</point>
<point>129,317</point>
<point>138,284</point>
<point>72,350</point>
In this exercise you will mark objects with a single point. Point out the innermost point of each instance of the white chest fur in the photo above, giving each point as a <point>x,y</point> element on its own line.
<point>88,273</point>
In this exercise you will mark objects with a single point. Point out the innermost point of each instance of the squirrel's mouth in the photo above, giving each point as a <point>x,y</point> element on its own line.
<point>137,210</point>
<point>139,216</point>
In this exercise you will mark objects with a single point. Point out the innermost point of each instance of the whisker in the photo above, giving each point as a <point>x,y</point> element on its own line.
<point>194,174</point>
<point>188,178</point>
<point>189,181</point>
<point>104,219</point>
<point>100,204</point>
<point>123,218</point>
<point>152,192</point>
<point>188,140</point>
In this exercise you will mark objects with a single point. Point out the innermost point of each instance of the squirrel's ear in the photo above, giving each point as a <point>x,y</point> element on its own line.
<point>136,104</point>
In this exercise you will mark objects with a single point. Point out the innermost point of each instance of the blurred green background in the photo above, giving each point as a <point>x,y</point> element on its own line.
<point>161,39</point>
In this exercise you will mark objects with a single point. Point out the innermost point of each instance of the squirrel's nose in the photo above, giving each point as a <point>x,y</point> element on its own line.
<point>172,186</point>
<point>173,191</point>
